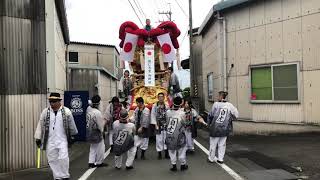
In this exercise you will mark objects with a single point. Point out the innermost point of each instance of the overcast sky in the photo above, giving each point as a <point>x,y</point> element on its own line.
<point>98,21</point>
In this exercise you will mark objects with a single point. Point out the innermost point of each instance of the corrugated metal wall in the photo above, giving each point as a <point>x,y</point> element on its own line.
<point>23,65</point>
<point>23,84</point>
<point>83,80</point>
<point>19,117</point>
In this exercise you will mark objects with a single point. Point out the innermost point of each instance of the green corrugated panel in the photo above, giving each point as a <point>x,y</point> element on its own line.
<point>261,83</point>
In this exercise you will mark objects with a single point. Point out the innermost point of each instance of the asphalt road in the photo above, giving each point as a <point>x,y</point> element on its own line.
<point>250,158</point>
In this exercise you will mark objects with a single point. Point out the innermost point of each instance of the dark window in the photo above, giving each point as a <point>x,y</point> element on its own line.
<point>73,57</point>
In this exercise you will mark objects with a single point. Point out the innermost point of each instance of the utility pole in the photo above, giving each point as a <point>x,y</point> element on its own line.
<point>167,13</point>
<point>191,63</point>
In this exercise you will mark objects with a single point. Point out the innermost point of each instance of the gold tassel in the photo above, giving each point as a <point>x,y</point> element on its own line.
<point>141,60</point>
<point>161,61</point>
<point>178,59</point>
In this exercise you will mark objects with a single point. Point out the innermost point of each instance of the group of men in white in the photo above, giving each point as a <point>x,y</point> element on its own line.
<point>174,128</point>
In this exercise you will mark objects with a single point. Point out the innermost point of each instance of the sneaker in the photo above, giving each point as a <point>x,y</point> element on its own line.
<point>220,162</point>
<point>129,167</point>
<point>174,168</point>
<point>184,167</point>
<point>91,165</point>
<point>210,161</point>
<point>102,165</point>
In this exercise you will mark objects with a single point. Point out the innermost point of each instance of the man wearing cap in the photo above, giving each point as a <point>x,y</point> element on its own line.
<point>158,118</point>
<point>220,126</point>
<point>94,133</point>
<point>123,140</point>
<point>175,137</point>
<point>142,122</point>
<point>112,114</point>
<point>54,133</point>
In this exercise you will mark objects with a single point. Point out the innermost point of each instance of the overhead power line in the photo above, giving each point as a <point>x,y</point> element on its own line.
<point>181,8</point>
<point>139,8</point>
<point>135,12</point>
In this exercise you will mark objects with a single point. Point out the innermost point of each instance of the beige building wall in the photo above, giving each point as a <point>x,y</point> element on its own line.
<point>92,55</point>
<point>55,48</point>
<point>60,56</point>
<point>105,89</point>
<point>268,32</point>
<point>211,57</point>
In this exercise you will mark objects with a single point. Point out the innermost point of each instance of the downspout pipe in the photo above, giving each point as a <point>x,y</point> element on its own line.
<point>67,67</point>
<point>224,60</point>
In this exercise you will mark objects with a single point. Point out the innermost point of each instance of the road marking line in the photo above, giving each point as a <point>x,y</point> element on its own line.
<point>223,166</point>
<point>91,170</point>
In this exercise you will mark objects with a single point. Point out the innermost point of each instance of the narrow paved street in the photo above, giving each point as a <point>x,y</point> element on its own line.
<point>253,158</point>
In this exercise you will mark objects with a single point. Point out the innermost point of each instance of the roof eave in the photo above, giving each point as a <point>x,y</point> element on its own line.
<point>62,15</point>
<point>221,6</point>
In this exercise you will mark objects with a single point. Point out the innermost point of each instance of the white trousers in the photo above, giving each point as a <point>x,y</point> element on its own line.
<point>130,158</point>
<point>181,155</point>
<point>221,143</point>
<point>160,141</point>
<point>189,140</point>
<point>58,159</point>
<point>141,142</point>
<point>111,137</point>
<point>97,152</point>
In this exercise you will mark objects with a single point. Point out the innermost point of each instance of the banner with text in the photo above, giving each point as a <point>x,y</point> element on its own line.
<point>149,76</point>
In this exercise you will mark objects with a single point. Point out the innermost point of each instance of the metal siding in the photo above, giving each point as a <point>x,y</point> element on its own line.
<point>310,6</point>
<point>258,45</point>
<point>291,8</point>
<point>242,52</point>
<point>273,11</point>
<point>231,22</point>
<point>231,53</point>
<point>311,99</point>
<point>257,13</point>
<point>23,50</point>
<point>288,113</point>
<point>84,80</point>
<point>232,90</point>
<point>274,42</point>
<point>26,9</point>
<point>311,41</point>
<point>242,18</point>
<point>286,37</point>
<point>18,150</point>
<point>243,89</point>
<point>292,41</point>
<point>105,87</point>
